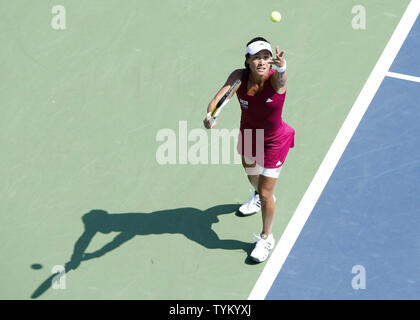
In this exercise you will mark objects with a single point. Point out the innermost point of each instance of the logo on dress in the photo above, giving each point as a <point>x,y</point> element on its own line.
<point>269,100</point>
<point>244,104</point>
<point>278,163</point>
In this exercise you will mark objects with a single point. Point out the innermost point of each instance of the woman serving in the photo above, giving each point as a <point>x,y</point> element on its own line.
<point>265,139</point>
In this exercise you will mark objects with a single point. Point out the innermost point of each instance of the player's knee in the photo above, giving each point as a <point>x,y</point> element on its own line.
<point>265,195</point>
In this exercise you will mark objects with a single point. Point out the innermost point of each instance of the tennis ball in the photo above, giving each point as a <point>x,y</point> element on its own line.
<point>275,16</point>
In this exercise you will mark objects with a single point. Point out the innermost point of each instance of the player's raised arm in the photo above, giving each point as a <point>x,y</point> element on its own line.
<point>234,76</point>
<point>280,77</point>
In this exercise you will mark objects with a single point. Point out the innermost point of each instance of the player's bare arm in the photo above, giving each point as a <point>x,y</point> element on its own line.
<point>278,80</point>
<point>235,75</point>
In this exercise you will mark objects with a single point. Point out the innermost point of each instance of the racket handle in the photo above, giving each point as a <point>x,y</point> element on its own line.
<point>212,120</point>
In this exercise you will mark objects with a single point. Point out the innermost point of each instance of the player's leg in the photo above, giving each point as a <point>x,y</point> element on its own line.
<point>265,240</point>
<point>266,192</point>
<point>252,170</point>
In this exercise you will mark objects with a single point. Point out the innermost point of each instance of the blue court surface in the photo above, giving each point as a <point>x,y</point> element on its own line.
<point>408,61</point>
<point>362,240</point>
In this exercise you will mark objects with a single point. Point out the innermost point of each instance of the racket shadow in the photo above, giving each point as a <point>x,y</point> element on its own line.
<point>193,223</point>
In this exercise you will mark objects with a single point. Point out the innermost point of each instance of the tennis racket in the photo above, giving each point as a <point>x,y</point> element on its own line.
<point>223,101</point>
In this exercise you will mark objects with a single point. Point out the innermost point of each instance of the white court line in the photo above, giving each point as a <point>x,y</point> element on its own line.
<point>403,76</point>
<point>306,205</point>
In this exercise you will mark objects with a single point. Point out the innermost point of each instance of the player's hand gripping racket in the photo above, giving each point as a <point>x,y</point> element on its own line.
<point>223,101</point>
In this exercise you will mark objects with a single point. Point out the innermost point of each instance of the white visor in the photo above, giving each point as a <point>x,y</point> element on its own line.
<point>257,46</point>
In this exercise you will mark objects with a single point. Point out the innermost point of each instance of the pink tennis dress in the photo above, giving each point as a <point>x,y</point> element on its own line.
<point>264,137</point>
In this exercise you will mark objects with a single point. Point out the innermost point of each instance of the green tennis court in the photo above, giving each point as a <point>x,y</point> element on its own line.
<point>81,111</point>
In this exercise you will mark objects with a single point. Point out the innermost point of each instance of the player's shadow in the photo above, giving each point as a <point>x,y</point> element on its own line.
<point>192,223</point>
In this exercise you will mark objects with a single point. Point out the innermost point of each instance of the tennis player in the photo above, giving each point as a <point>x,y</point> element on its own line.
<point>261,97</point>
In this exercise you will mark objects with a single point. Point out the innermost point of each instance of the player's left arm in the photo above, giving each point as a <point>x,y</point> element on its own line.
<point>278,79</point>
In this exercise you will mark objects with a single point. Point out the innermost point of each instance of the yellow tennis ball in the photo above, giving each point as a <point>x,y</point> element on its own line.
<point>275,16</point>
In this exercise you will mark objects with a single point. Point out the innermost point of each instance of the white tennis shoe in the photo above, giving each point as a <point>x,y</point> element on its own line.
<point>252,206</point>
<point>262,247</point>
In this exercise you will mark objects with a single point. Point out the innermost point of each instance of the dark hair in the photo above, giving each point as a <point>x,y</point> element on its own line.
<point>251,41</point>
